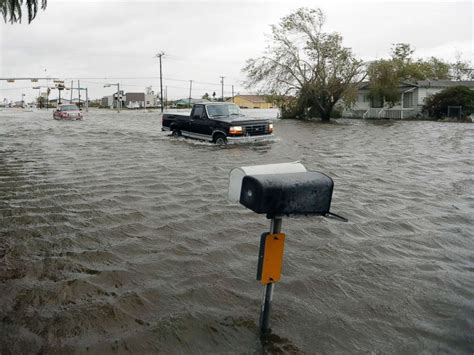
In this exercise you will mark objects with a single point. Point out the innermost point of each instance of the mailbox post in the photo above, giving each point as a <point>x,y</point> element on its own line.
<point>278,190</point>
<point>264,324</point>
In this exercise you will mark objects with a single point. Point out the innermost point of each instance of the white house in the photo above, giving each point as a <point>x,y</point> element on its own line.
<point>141,100</point>
<point>132,100</point>
<point>108,101</point>
<point>412,99</point>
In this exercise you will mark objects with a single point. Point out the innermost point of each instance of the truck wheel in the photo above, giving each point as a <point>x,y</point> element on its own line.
<point>220,139</point>
<point>176,133</point>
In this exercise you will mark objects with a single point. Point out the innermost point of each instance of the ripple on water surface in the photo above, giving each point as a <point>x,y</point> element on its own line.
<point>114,237</point>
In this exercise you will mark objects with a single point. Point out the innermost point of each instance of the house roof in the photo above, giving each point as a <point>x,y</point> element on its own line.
<point>252,98</point>
<point>403,84</point>
<point>427,84</point>
<point>444,83</point>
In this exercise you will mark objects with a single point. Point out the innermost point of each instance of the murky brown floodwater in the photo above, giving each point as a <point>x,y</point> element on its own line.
<point>116,238</point>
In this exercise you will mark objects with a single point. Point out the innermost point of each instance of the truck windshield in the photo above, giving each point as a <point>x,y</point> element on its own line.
<point>223,110</point>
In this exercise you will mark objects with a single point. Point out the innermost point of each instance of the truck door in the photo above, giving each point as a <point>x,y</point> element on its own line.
<point>199,124</point>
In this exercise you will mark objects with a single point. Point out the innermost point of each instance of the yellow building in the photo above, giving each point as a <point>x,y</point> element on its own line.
<point>252,101</point>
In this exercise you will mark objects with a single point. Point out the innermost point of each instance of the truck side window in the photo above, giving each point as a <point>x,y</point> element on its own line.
<point>197,114</point>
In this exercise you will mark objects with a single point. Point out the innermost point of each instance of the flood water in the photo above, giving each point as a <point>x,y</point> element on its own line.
<point>115,238</point>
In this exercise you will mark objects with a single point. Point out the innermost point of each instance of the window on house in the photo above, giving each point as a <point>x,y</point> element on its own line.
<point>377,102</point>
<point>408,100</point>
<point>363,98</point>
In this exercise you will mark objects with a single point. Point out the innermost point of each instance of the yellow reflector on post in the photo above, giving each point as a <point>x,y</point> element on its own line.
<point>271,258</point>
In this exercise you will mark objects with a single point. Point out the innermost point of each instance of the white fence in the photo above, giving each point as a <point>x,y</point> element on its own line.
<point>393,114</point>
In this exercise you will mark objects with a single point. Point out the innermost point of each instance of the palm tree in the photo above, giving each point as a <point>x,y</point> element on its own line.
<point>12,9</point>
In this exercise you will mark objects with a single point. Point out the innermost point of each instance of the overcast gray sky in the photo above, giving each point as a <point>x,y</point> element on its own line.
<point>204,40</point>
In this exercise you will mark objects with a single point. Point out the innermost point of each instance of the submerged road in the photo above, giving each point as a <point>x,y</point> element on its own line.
<point>116,238</point>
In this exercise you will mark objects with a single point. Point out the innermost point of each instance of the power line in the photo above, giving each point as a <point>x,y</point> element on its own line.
<point>196,87</point>
<point>171,86</point>
<point>106,78</point>
<point>30,79</point>
<point>26,87</point>
<point>140,78</point>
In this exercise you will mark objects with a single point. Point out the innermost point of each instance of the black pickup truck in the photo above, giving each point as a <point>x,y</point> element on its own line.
<point>219,123</point>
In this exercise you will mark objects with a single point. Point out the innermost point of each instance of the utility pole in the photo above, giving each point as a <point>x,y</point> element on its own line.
<point>86,103</point>
<point>222,82</point>
<point>79,93</point>
<point>47,92</point>
<point>159,55</point>
<point>87,100</point>
<point>119,98</point>
<point>72,89</point>
<point>190,89</point>
<point>232,93</point>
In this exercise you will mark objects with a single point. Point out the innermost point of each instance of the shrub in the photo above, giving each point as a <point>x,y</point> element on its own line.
<point>436,106</point>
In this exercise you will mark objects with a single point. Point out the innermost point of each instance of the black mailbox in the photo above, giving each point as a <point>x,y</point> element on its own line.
<point>300,193</point>
<point>279,190</point>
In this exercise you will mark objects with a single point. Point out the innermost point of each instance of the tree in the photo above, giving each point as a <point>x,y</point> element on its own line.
<point>305,70</point>
<point>437,105</point>
<point>206,96</point>
<point>461,69</point>
<point>12,9</point>
<point>384,79</point>
<point>385,75</point>
<point>40,101</point>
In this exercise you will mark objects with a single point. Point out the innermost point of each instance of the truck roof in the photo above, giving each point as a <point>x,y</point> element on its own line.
<point>216,103</point>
